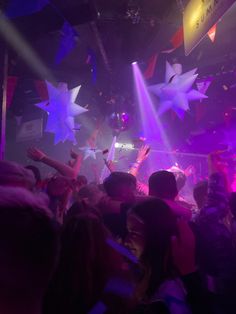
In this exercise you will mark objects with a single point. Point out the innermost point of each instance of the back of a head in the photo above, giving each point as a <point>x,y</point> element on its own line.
<point>82,235</point>
<point>159,227</point>
<point>79,208</point>
<point>28,246</point>
<point>156,215</point>
<point>200,193</point>
<point>85,264</point>
<point>117,182</point>
<point>58,186</point>
<point>15,175</point>
<point>91,193</point>
<point>162,184</point>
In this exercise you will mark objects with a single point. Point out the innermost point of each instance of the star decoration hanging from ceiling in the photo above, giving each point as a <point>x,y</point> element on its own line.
<point>177,91</point>
<point>62,110</point>
<point>90,152</point>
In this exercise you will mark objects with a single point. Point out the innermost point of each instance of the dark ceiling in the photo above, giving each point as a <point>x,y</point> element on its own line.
<point>120,32</point>
<point>127,30</point>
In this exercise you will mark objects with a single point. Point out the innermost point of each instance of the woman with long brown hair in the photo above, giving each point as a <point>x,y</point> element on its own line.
<point>87,264</point>
<point>151,227</point>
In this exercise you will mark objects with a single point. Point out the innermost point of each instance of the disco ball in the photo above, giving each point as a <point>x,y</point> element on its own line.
<point>119,121</point>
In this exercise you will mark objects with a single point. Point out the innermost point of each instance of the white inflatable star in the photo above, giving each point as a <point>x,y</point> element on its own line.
<point>62,110</point>
<point>177,91</point>
<point>90,152</point>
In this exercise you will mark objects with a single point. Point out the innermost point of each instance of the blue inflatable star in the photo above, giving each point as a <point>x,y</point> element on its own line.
<point>177,91</point>
<point>62,110</point>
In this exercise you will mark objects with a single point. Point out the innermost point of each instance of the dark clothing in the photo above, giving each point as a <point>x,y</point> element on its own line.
<point>215,250</point>
<point>196,295</point>
<point>158,307</point>
<point>116,223</point>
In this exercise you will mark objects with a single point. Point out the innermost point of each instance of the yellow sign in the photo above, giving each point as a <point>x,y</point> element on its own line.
<point>199,17</point>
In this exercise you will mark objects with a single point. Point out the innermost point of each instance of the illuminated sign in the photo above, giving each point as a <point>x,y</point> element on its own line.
<point>199,17</point>
<point>126,146</point>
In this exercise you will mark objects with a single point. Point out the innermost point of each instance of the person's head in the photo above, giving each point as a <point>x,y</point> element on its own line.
<point>81,207</point>
<point>232,203</point>
<point>28,250</point>
<point>86,262</point>
<point>90,193</point>
<point>35,172</point>
<point>58,186</point>
<point>162,184</point>
<point>200,193</point>
<point>120,186</point>
<point>151,225</point>
<point>15,175</point>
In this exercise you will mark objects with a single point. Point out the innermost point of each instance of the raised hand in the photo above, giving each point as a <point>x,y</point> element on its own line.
<point>189,170</point>
<point>110,165</point>
<point>143,153</point>
<point>35,154</point>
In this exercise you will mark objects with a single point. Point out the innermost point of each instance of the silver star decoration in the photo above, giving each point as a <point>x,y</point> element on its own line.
<point>62,110</point>
<point>177,91</point>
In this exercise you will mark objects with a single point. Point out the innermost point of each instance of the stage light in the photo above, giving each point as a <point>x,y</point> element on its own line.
<point>21,46</point>
<point>152,127</point>
<point>135,62</point>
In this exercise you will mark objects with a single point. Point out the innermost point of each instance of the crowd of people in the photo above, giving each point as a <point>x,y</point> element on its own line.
<point>68,246</point>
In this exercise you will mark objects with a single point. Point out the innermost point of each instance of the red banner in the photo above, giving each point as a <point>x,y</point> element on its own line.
<point>151,67</point>
<point>42,90</point>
